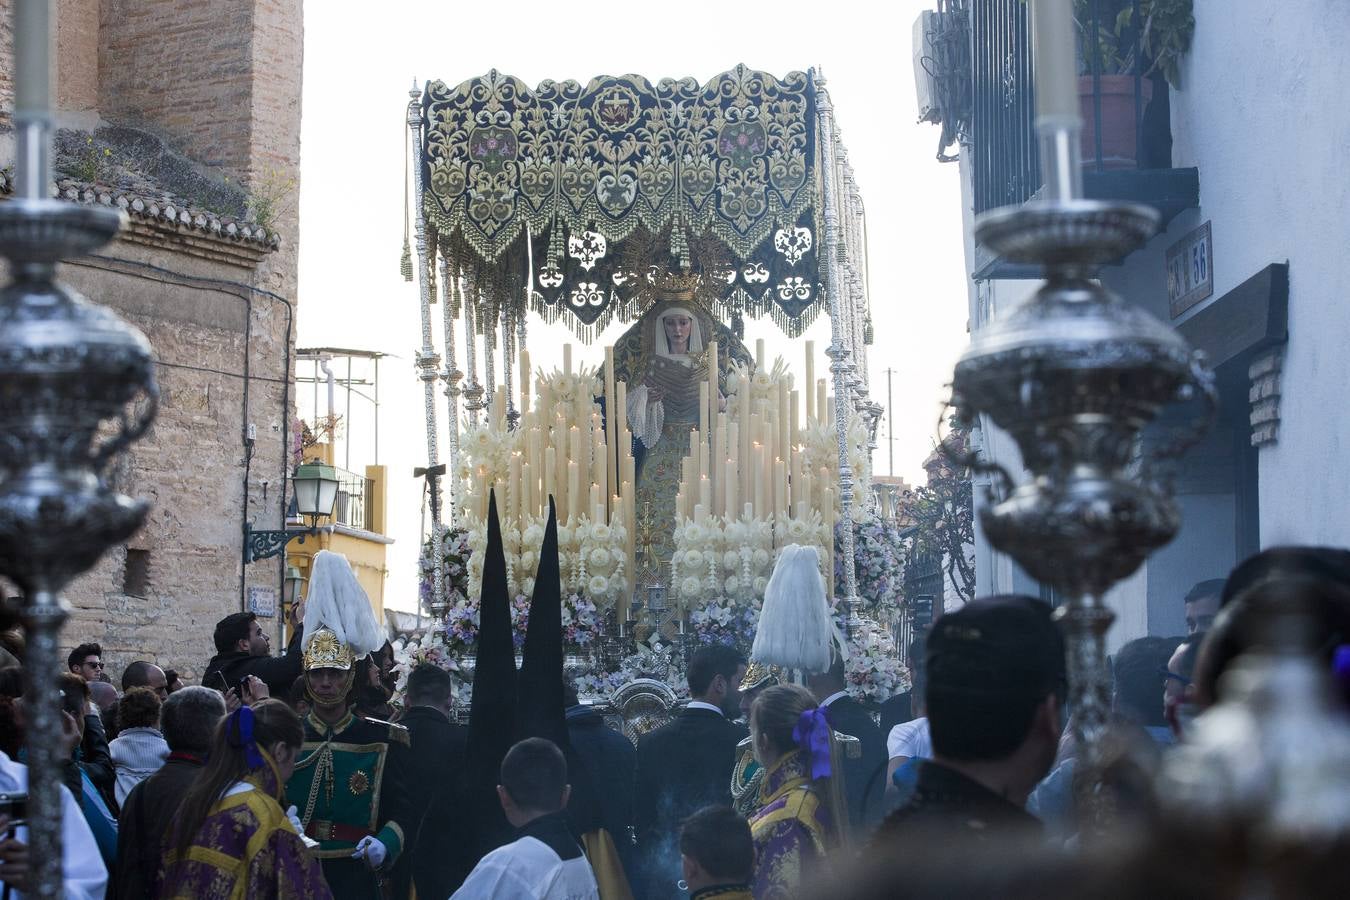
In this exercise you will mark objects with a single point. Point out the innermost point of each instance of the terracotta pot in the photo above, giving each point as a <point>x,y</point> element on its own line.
<point>1118,120</point>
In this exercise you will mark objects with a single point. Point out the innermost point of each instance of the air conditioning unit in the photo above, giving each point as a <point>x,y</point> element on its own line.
<point>925,87</point>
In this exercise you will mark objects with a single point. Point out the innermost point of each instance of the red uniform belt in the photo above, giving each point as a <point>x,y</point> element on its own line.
<point>321,830</point>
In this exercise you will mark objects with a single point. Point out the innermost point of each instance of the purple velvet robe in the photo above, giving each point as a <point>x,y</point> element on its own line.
<point>792,829</point>
<point>248,848</point>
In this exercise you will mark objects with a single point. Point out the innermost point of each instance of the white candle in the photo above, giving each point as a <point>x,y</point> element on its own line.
<point>759,354</point>
<point>1053,53</point>
<point>525,376</point>
<point>820,400</point>
<point>567,359</point>
<point>703,407</point>
<point>573,492</point>
<point>810,381</point>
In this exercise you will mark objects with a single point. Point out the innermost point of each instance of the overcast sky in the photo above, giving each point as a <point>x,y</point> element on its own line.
<point>358,69</point>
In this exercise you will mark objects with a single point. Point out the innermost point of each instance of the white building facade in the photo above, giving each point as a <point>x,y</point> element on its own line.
<point>1257,210</point>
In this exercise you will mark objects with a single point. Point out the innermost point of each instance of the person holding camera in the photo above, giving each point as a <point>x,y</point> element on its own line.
<point>243,648</point>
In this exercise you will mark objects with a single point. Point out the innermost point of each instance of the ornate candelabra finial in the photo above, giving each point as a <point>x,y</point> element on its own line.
<point>1073,375</point>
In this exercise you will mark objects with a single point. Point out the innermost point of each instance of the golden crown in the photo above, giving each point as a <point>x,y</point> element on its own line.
<point>325,651</point>
<point>676,285</point>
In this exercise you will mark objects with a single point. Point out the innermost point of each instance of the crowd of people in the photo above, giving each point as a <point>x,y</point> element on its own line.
<point>274,778</point>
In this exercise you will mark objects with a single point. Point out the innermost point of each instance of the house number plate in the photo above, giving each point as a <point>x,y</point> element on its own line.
<point>1190,270</point>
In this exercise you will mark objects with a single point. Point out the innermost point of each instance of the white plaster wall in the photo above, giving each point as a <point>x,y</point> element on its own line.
<point>1264,115</point>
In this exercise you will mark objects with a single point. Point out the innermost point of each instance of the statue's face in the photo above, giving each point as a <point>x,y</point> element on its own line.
<point>677,333</point>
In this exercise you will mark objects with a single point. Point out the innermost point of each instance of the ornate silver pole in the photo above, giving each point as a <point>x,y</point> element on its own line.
<point>1073,375</point>
<point>473,391</point>
<point>508,362</point>
<point>488,325</point>
<point>69,369</point>
<point>838,352</point>
<point>427,359</point>
<point>450,304</point>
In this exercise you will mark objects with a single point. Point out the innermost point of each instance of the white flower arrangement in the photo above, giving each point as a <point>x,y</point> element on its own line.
<point>571,396</point>
<point>820,449</point>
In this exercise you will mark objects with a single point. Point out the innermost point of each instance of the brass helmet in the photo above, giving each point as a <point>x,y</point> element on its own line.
<point>759,675</point>
<point>327,651</point>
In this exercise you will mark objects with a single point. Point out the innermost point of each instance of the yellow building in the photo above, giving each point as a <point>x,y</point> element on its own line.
<point>356,529</point>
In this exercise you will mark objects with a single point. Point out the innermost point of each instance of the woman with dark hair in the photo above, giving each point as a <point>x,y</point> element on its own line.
<point>232,837</point>
<point>794,826</point>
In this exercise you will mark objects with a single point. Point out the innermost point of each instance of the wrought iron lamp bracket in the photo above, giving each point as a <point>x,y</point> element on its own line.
<point>271,542</point>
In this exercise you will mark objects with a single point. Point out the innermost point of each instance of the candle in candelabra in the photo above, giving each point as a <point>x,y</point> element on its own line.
<point>757,475</point>
<point>550,473</point>
<point>526,376</point>
<point>1053,51</point>
<point>700,513</point>
<point>829,409</point>
<point>705,493</point>
<point>712,403</point>
<point>597,505</point>
<point>806,496</point>
<point>703,407</point>
<point>794,421</point>
<point>530,488</point>
<point>810,382</point>
<point>795,482</point>
<point>720,469</point>
<point>823,483</point>
<point>573,492</point>
<point>733,495</point>
<point>516,509</point>
<point>820,402</point>
<point>759,354</point>
<point>745,432</point>
<point>567,359</point>
<point>621,416</point>
<point>784,421</point>
<point>780,486</point>
<point>611,423</point>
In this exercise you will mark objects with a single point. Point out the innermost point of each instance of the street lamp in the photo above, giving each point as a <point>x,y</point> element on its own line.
<point>294,582</point>
<point>316,487</point>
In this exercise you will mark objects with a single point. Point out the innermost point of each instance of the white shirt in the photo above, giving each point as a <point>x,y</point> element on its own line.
<point>833,697</point>
<point>83,874</point>
<point>699,704</point>
<point>528,869</point>
<point>911,740</point>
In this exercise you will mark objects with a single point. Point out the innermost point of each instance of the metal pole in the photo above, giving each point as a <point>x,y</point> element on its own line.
<point>427,359</point>
<point>838,352</point>
<point>347,441</point>
<point>450,302</point>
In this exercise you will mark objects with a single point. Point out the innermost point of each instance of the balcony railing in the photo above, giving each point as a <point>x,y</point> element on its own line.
<point>350,508</point>
<point>1124,106</point>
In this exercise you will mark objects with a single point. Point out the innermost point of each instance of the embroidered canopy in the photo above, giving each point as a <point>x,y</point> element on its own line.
<point>589,193</point>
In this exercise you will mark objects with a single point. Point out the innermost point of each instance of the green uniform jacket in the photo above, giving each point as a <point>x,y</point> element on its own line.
<point>348,783</point>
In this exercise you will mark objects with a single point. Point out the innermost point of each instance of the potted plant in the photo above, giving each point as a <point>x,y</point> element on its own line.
<point>1113,48</point>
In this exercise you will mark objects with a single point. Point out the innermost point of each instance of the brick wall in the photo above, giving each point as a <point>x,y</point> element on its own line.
<point>183,68</point>
<point>6,66</point>
<point>219,80</point>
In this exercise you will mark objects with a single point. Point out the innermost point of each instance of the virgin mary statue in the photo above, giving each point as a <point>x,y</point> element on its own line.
<point>662,359</point>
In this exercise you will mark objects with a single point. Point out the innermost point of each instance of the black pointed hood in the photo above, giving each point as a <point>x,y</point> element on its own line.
<point>539,705</point>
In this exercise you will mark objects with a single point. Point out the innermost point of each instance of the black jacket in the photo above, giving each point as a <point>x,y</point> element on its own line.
<point>143,827</point>
<point>96,759</point>
<point>949,808</point>
<point>682,767</point>
<point>225,670</point>
<point>864,777</point>
<point>610,760</point>
<point>435,765</point>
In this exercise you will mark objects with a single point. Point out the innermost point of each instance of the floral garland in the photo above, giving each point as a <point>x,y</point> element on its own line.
<point>723,621</point>
<point>455,572</point>
<point>873,670</point>
<point>878,554</point>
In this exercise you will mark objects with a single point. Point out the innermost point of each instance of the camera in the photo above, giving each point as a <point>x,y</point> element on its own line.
<point>16,807</point>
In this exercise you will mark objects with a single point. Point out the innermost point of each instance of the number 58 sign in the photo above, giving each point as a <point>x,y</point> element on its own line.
<point>1190,270</point>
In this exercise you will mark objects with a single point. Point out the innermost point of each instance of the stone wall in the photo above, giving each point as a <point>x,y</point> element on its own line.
<point>220,83</point>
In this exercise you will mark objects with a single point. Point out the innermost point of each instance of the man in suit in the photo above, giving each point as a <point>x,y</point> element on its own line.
<point>865,776</point>
<point>436,757</point>
<point>686,764</point>
<point>610,760</point>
